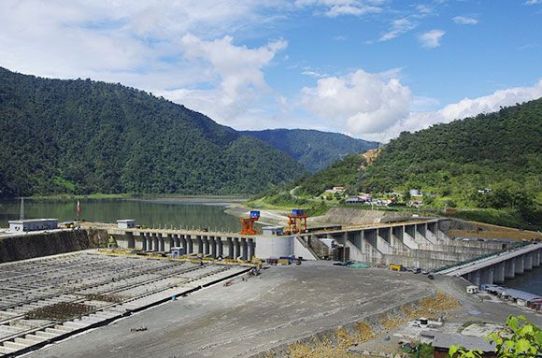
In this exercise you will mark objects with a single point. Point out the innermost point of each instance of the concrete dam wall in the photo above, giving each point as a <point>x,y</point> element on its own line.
<point>20,247</point>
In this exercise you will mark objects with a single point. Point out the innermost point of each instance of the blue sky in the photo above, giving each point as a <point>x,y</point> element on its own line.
<point>368,68</point>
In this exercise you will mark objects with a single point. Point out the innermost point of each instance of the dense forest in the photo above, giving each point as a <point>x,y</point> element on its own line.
<point>500,151</point>
<point>81,136</point>
<point>315,150</point>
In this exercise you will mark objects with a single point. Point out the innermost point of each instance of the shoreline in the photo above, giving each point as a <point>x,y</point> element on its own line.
<point>128,196</point>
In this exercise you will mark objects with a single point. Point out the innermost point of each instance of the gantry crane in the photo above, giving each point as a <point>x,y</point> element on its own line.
<point>247,224</point>
<point>297,222</point>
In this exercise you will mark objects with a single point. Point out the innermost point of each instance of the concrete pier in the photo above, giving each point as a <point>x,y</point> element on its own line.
<point>499,267</point>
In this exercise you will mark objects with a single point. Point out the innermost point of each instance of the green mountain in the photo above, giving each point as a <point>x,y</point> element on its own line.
<point>315,150</point>
<point>501,150</point>
<point>489,167</point>
<point>82,136</point>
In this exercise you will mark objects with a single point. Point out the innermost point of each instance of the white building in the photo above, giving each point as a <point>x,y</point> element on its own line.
<point>126,224</point>
<point>32,225</point>
<point>336,189</point>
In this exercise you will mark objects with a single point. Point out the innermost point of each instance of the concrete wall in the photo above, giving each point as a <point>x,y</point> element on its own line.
<point>28,246</point>
<point>417,244</point>
<point>275,246</point>
<point>301,251</point>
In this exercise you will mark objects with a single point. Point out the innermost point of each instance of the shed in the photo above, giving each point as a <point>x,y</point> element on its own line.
<point>520,297</point>
<point>443,341</point>
<point>32,225</point>
<point>126,223</point>
<point>177,251</point>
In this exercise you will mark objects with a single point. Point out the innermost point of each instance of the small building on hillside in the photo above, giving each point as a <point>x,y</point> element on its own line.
<point>32,225</point>
<point>126,224</point>
<point>336,189</point>
<point>442,342</point>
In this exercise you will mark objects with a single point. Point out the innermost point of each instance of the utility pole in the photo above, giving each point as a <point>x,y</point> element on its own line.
<point>21,213</point>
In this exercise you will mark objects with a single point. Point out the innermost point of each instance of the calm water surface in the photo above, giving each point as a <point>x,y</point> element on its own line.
<point>196,213</point>
<point>529,281</point>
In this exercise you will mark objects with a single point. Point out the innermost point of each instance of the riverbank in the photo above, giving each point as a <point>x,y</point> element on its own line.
<point>196,212</point>
<point>127,196</point>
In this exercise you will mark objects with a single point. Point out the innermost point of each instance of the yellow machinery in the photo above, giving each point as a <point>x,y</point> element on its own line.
<point>395,267</point>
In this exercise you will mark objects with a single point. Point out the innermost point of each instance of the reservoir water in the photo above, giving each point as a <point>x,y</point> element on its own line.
<point>530,281</point>
<point>179,212</point>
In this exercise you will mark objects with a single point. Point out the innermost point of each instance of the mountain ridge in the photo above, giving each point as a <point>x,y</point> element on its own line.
<point>314,149</point>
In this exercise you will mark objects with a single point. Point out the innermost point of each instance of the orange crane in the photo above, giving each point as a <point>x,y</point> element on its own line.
<point>297,222</point>
<point>247,224</point>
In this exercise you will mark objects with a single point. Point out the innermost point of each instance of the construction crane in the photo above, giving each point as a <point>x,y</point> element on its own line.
<point>297,222</point>
<point>247,224</point>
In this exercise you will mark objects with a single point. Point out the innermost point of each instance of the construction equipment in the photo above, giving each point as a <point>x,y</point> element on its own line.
<point>395,267</point>
<point>297,222</point>
<point>247,224</point>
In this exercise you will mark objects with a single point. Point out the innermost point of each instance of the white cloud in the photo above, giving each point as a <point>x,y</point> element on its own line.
<point>360,102</point>
<point>465,20</point>
<point>144,44</point>
<point>398,27</point>
<point>431,39</point>
<point>114,40</point>
<point>311,73</point>
<point>467,107</point>
<point>334,8</point>
<point>235,74</point>
<point>533,2</point>
<point>424,9</point>
<point>377,106</point>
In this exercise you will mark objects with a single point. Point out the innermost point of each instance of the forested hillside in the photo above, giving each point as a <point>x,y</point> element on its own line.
<point>498,151</point>
<point>81,136</point>
<point>315,150</point>
<point>489,166</point>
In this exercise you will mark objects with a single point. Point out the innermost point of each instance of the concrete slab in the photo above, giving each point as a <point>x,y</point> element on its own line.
<point>247,317</point>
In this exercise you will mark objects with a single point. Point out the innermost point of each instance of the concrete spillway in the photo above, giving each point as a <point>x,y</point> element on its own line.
<point>422,243</point>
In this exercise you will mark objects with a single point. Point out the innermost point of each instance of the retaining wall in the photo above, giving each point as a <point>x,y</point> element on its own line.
<point>21,247</point>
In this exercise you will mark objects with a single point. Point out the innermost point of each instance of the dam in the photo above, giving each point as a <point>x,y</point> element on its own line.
<point>422,243</point>
<point>44,298</point>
